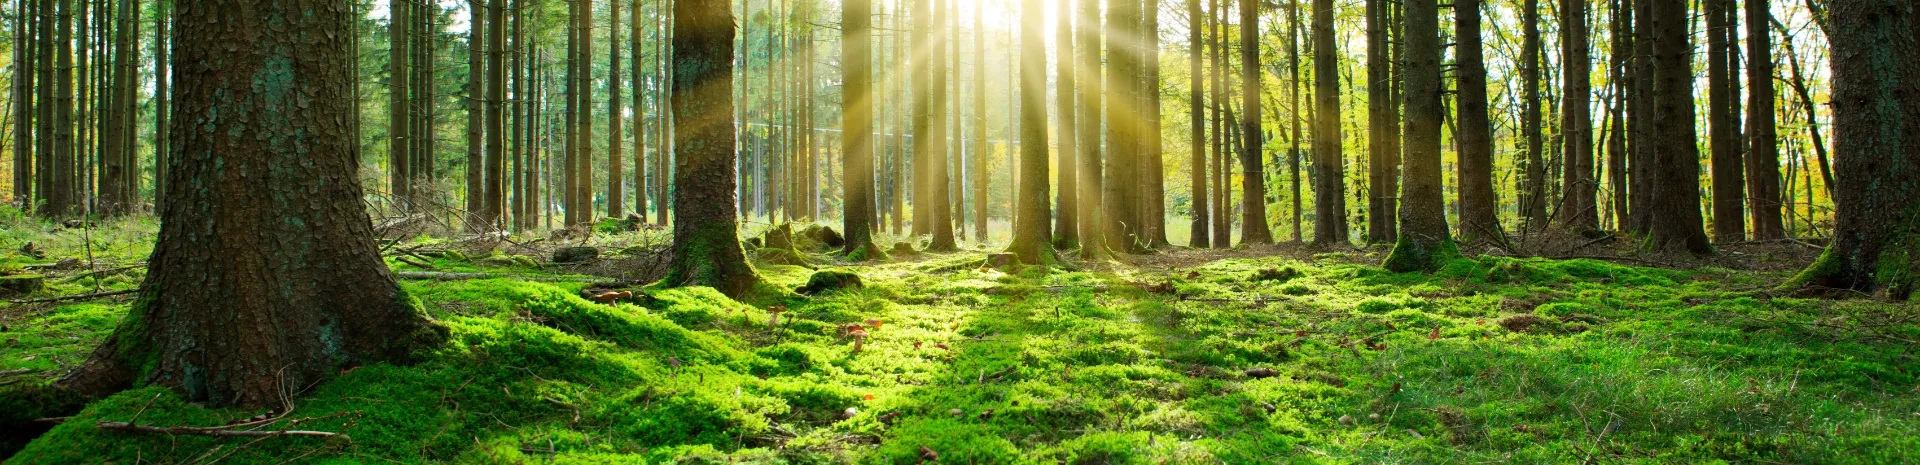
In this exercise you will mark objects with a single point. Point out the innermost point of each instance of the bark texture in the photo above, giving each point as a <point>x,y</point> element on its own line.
<point>1423,241</point>
<point>1479,220</point>
<point>706,242</point>
<point>265,277</point>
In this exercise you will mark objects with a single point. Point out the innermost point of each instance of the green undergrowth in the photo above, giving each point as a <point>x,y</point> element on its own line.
<point>1317,359</point>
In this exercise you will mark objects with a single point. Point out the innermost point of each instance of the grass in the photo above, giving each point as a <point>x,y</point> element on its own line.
<point>1292,357</point>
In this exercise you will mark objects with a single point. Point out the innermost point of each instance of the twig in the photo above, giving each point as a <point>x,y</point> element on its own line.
<point>95,295</point>
<point>216,431</point>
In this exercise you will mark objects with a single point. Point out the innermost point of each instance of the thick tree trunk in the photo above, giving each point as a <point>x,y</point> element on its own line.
<point>1579,189</point>
<point>940,185</point>
<point>1198,234</point>
<point>1153,204</point>
<point>1329,193</point>
<point>856,18</point>
<point>1032,241</point>
<point>1423,241</point>
<point>1479,209</point>
<point>1729,211</point>
<point>1123,116</point>
<point>1383,138</point>
<point>1876,111</point>
<point>1675,212</point>
<point>706,241</point>
<point>265,275</point>
<point>923,139</point>
<point>1641,159</point>
<point>1763,151</point>
<point>1253,197</point>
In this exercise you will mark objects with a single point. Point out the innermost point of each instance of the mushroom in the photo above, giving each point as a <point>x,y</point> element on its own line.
<point>776,311</point>
<point>859,336</point>
<point>874,323</point>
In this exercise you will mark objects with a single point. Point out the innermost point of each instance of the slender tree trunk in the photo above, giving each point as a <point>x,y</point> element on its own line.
<point>162,99</point>
<point>1330,210</point>
<point>1798,82</point>
<point>1676,203</point>
<point>1621,27</point>
<point>639,89</point>
<point>616,119</point>
<point>1579,209</point>
<point>1876,111</point>
<point>856,18</point>
<point>1091,185</point>
<point>939,186</point>
<point>24,71</point>
<point>1065,228</point>
<point>399,116</point>
<point>1763,152</point>
<point>1641,159</point>
<point>1729,212</point>
<point>1294,110</point>
<point>476,219</point>
<point>1123,127</point>
<point>922,118</point>
<point>1153,204</point>
<point>491,211</point>
<point>64,201</point>
<point>706,237</point>
<point>1221,209</point>
<point>305,293</point>
<point>1533,200</point>
<point>1382,135</point>
<point>1198,234</point>
<point>1253,199</point>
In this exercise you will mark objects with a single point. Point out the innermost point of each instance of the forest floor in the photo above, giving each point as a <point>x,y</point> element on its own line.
<point>1253,355</point>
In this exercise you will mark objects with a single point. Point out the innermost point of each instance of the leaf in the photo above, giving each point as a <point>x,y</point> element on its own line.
<point>1435,334</point>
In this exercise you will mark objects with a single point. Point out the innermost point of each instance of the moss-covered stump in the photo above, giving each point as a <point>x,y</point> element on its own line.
<point>773,256</point>
<point>828,281</point>
<point>902,249</point>
<point>20,284</point>
<point>575,254</point>
<point>824,236</point>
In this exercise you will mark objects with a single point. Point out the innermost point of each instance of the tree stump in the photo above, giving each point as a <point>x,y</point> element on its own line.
<point>575,254</point>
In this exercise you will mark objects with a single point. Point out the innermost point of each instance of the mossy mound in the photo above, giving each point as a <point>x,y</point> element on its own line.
<point>829,281</point>
<point>20,284</point>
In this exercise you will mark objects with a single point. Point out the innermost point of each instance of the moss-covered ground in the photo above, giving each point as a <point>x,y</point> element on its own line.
<point>1255,356</point>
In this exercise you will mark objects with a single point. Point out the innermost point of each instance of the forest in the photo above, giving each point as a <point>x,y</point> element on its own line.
<point>960,231</point>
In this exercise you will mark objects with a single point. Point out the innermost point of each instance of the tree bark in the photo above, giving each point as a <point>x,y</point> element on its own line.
<point>1253,197</point>
<point>1065,228</point>
<point>856,18</point>
<point>1763,151</point>
<point>1198,234</point>
<point>1675,218</point>
<point>265,275</point>
<point>1876,111</point>
<point>1479,209</point>
<point>492,211</point>
<point>1579,189</point>
<point>476,219</point>
<point>940,186</point>
<point>1294,110</point>
<point>616,119</point>
<point>1383,138</point>
<point>706,241</point>
<point>1423,243</point>
<point>399,118</point>
<point>1153,204</point>
<point>1533,198</point>
<point>1032,240</point>
<point>1091,186</point>
<point>1122,227</point>
<point>1329,193</point>
<point>1729,211</point>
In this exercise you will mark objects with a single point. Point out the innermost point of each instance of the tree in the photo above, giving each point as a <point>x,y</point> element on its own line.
<point>1533,199</point>
<point>62,200</point>
<point>1383,138</point>
<point>1763,152</point>
<point>639,110</point>
<point>1065,212</point>
<point>476,116</point>
<point>1293,106</point>
<point>1729,209</point>
<point>1579,190</point>
<point>1675,218</point>
<point>399,114</point>
<point>162,106</point>
<point>940,186</point>
<point>1092,221</point>
<point>616,171</point>
<point>1253,225</point>
<point>496,117</point>
<point>1152,170</point>
<point>922,116</point>
<point>1478,206</point>
<point>1423,240</point>
<point>1221,214</point>
<point>1197,46</point>
<point>300,291</point>
<point>1329,191</point>
<point>1121,212</point>
<point>1876,112</point>
<point>706,238</point>
<point>981,166</point>
<point>856,18</point>
<point>1032,240</point>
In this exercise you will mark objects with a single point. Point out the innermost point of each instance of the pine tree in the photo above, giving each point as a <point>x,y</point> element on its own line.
<point>1423,243</point>
<point>1329,193</point>
<point>1253,226</point>
<point>1032,240</point>
<point>856,18</point>
<point>1478,206</point>
<point>706,245</point>
<point>1675,219</point>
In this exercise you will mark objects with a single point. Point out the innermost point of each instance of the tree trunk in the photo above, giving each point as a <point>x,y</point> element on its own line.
<point>1763,151</point>
<point>1533,198</point>
<point>1122,227</point>
<point>476,219</point>
<point>1153,204</point>
<point>1676,198</point>
<point>616,119</point>
<point>1621,28</point>
<point>922,116</point>
<point>1382,135</point>
<point>1092,218</point>
<point>1032,240</point>
<point>1729,212</point>
<point>399,118</point>
<point>1579,210</point>
<point>940,196</point>
<point>1294,110</point>
<point>1253,197</point>
<point>162,21</point>
<point>1876,112</point>
<point>1329,193</point>
<point>1479,209</point>
<point>1423,243</point>
<point>706,241</point>
<point>1221,214</point>
<point>1065,228</point>
<point>1198,234</point>
<point>856,18</point>
<point>63,200</point>
<point>299,291</point>
<point>1641,159</point>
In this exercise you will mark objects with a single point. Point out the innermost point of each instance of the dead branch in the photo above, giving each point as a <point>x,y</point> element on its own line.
<point>92,296</point>
<point>216,431</point>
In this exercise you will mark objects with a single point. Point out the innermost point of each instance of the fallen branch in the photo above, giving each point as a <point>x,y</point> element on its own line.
<point>446,276</point>
<point>92,296</point>
<point>216,432</point>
